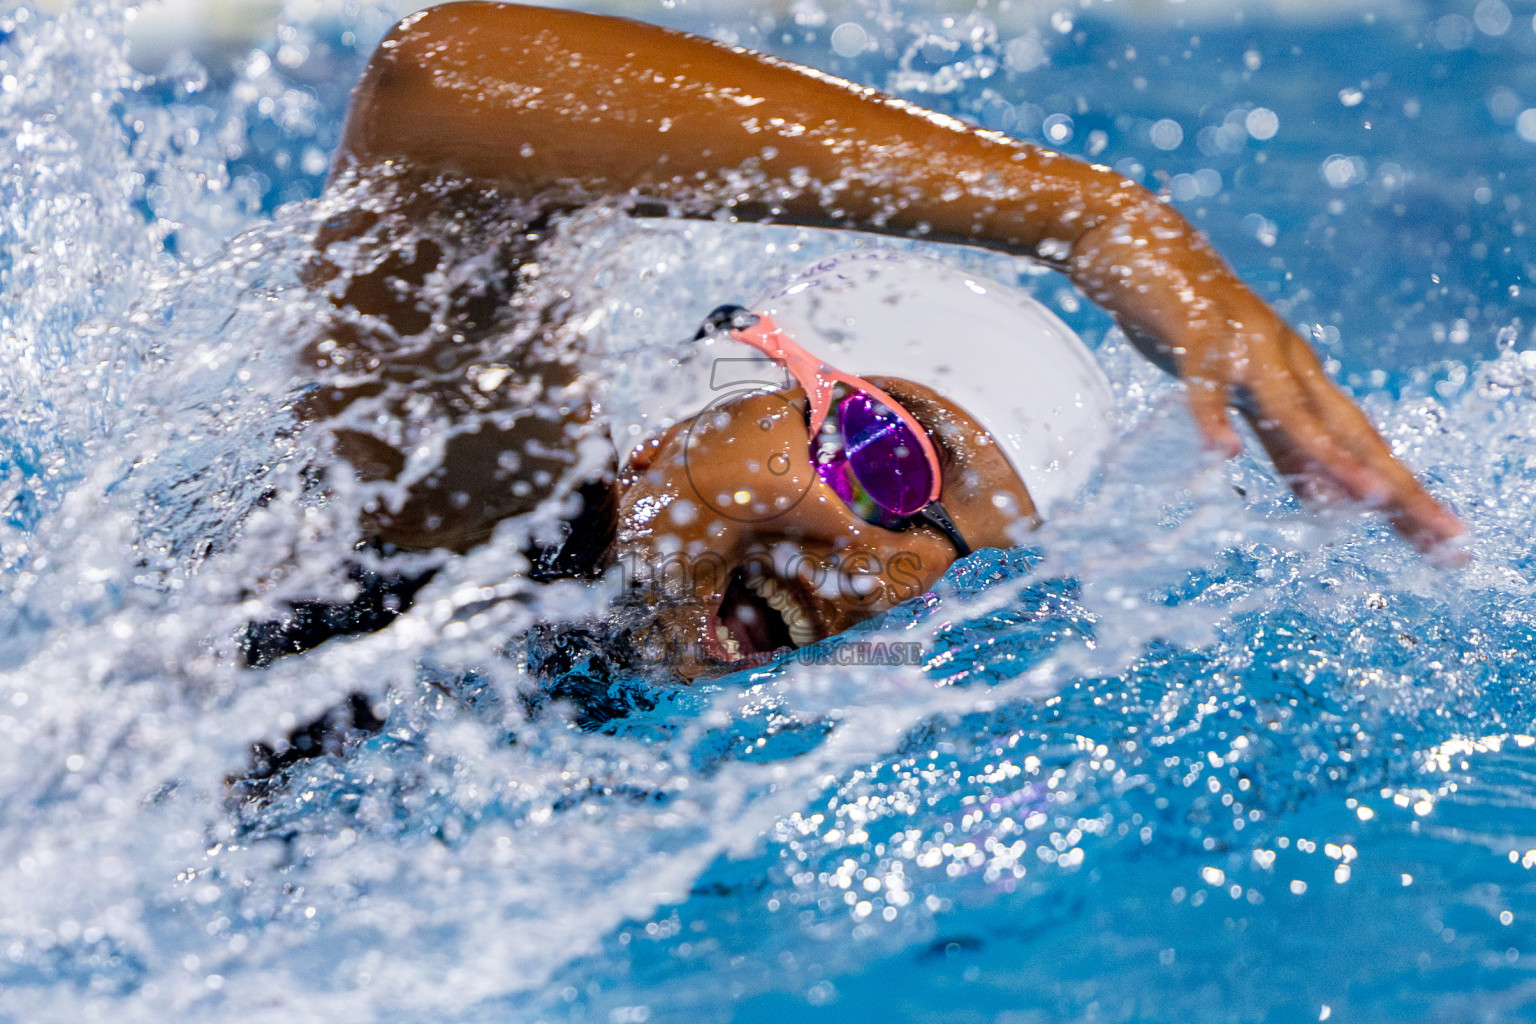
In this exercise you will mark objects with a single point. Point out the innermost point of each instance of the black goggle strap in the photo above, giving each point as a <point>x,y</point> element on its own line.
<point>935,516</point>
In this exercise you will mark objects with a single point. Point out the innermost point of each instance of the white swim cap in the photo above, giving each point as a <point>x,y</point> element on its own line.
<point>991,349</point>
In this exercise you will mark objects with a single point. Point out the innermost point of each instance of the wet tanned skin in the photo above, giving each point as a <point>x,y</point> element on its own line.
<point>491,118</point>
<point>734,493</point>
<point>528,99</point>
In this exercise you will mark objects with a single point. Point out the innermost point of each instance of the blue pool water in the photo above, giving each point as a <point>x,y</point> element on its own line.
<point>1189,755</point>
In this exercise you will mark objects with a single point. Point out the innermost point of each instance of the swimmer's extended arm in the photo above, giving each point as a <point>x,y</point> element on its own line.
<point>537,101</point>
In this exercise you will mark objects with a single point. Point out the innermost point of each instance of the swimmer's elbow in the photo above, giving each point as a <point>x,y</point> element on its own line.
<point>371,113</point>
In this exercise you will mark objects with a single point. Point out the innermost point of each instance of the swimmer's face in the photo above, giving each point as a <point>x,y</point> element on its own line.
<point>726,530</point>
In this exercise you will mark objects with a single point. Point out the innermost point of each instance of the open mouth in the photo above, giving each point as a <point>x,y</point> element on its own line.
<point>760,615</point>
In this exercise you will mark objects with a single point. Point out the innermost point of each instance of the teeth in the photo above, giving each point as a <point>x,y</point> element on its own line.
<point>728,643</point>
<point>802,634</point>
<point>802,631</point>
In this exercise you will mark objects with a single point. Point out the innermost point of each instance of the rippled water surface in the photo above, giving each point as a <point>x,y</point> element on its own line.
<point>1192,754</point>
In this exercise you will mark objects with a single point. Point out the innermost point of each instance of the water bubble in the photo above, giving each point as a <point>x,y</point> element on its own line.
<point>1351,97</point>
<point>1262,123</point>
<point>1525,124</point>
<point>1207,182</point>
<point>1167,134</point>
<point>849,39</point>
<point>1503,104</point>
<point>314,161</point>
<point>1453,31</point>
<point>1057,128</point>
<point>821,993</point>
<point>939,51</point>
<point>1228,137</point>
<point>1026,53</point>
<point>1391,176</point>
<point>998,114</point>
<point>1261,228</point>
<point>1342,171</point>
<point>808,13</point>
<point>1492,17</point>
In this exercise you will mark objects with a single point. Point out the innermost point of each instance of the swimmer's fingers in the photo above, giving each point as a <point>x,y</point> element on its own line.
<point>1237,350</point>
<point>1307,450</point>
<point>1208,403</point>
<point>1328,450</point>
<point>1430,526</point>
<point>1248,370</point>
<point>1415,513</point>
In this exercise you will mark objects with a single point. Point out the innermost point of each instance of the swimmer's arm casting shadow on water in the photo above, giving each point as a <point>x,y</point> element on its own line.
<point>567,108</point>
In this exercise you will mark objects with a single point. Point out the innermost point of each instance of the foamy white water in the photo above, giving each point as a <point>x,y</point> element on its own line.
<point>481,858</point>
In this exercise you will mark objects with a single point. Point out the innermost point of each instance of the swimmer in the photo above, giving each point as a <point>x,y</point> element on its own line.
<point>477,128</point>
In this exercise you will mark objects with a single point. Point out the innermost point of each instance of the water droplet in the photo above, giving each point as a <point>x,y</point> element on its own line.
<point>849,39</point>
<point>1167,134</point>
<point>1262,123</point>
<point>1525,124</point>
<point>1492,17</point>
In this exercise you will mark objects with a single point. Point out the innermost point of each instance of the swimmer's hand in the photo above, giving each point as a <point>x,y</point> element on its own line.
<point>537,101</point>
<point>1188,312</point>
<point>1249,359</point>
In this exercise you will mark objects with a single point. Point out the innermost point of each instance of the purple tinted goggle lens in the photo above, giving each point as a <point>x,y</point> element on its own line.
<point>880,470</point>
<point>883,455</point>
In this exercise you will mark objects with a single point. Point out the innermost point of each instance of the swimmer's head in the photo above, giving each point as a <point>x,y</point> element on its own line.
<point>746,539</point>
<point>990,348</point>
<point>741,548</point>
